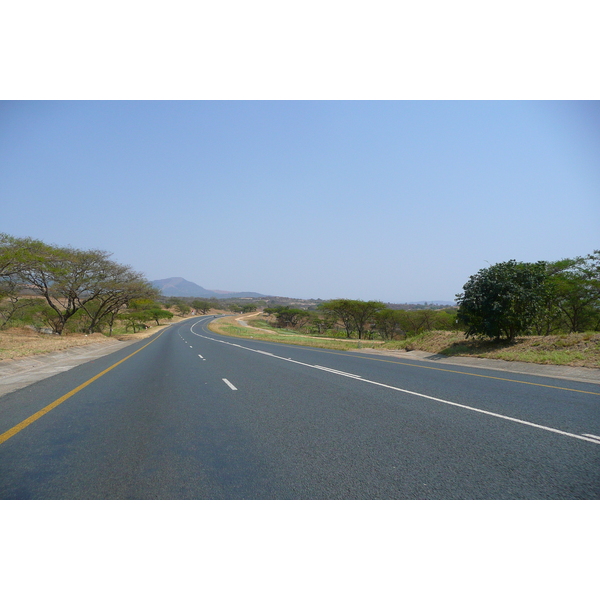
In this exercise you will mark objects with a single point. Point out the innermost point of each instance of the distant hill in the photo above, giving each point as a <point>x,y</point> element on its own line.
<point>180,287</point>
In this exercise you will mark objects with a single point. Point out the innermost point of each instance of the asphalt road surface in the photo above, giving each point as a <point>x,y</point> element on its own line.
<point>189,414</point>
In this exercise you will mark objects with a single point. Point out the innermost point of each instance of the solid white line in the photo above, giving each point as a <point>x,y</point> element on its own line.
<point>486,412</point>
<point>448,402</point>
<point>229,384</point>
<point>596,437</point>
<point>335,372</point>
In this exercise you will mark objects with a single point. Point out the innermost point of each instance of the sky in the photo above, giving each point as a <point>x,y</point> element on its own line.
<point>396,201</point>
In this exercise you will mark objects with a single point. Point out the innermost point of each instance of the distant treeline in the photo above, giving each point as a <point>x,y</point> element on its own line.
<point>362,319</point>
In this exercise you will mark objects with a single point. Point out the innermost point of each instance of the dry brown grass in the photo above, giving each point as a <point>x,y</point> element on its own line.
<point>22,342</point>
<point>574,349</point>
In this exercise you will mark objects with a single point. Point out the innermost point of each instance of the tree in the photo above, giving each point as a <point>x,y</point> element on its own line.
<point>134,319</point>
<point>10,250</point>
<point>122,287</point>
<point>158,313</point>
<point>183,307</point>
<point>201,305</point>
<point>387,322</point>
<point>65,277</point>
<point>291,317</point>
<point>69,280</point>
<point>354,314</point>
<point>320,325</point>
<point>341,309</point>
<point>10,302</point>
<point>575,291</point>
<point>503,300</point>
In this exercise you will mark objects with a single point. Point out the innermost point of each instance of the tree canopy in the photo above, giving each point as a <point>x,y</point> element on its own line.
<point>354,314</point>
<point>70,280</point>
<point>503,300</point>
<point>575,292</point>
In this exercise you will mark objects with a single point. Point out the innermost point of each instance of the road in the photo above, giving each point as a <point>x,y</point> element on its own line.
<point>191,414</point>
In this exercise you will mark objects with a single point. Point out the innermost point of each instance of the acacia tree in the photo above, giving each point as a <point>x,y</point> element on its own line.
<point>69,280</point>
<point>387,322</point>
<point>354,314</point>
<point>60,275</point>
<point>575,291</point>
<point>183,307</point>
<point>290,317</point>
<point>340,309</point>
<point>503,300</point>
<point>10,250</point>
<point>123,286</point>
<point>202,305</point>
<point>11,303</point>
<point>13,253</point>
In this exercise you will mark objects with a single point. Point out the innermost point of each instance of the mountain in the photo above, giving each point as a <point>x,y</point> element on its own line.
<point>180,287</point>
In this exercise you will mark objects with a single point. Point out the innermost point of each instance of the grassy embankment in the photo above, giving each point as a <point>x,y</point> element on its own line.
<point>574,349</point>
<point>260,330</point>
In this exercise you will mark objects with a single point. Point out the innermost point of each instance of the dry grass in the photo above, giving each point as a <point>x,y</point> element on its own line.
<point>574,349</point>
<point>22,342</point>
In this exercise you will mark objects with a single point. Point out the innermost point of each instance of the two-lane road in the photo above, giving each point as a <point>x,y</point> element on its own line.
<point>191,414</point>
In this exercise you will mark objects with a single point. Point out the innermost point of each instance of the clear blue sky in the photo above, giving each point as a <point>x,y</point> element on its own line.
<point>390,200</point>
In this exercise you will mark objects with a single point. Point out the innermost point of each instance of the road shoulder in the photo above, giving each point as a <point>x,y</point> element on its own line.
<point>19,373</point>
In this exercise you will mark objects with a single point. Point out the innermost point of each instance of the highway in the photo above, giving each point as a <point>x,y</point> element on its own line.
<point>190,414</point>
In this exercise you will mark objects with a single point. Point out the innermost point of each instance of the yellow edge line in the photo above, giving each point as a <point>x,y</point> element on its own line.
<point>397,362</point>
<point>40,413</point>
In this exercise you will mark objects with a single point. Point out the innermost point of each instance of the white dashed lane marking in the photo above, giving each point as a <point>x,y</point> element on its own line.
<point>229,384</point>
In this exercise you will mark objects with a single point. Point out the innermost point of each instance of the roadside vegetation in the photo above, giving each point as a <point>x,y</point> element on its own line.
<point>569,349</point>
<point>547,313</point>
<point>55,297</point>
